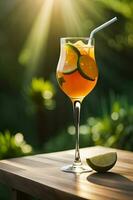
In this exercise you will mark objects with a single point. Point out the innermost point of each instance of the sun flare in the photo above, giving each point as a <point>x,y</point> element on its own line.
<point>50,13</point>
<point>37,38</point>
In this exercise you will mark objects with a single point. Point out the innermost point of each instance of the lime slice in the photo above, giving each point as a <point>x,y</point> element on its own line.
<point>71,59</point>
<point>87,67</point>
<point>103,162</point>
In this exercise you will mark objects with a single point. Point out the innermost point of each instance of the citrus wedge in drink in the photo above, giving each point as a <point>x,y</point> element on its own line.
<point>87,67</point>
<point>71,59</point>
<point>102,162</point>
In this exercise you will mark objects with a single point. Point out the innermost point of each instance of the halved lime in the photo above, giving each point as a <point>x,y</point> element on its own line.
<point>71,58</point>
<point>87,67</point>
<point>103,162</point>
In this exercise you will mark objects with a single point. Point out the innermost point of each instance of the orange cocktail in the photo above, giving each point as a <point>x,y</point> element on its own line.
<point>77,75</point>
<point>77,70</point>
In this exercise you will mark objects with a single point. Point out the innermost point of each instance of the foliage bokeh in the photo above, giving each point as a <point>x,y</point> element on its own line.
<point>13,146</point>
<point>30,99</point>
<point>114,128</point>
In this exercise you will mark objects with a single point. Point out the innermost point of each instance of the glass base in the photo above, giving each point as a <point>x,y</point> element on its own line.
<point>76,169</point>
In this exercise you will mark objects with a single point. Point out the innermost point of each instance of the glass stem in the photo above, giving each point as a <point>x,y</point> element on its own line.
<point>76,111</point>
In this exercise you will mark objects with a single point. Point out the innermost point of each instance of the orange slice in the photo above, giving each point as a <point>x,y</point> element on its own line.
<point>71,59</point>
<point>87,67</point>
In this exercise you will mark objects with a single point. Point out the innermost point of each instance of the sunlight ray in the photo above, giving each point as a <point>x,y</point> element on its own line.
<point>36,42</point>
<point>93,8</point>
<point>72,19</point>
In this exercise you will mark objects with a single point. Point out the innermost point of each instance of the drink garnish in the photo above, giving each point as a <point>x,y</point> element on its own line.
<point>87,67</point>
<point>71,59</point>
<point>103,162</point>
<point>77,58</point>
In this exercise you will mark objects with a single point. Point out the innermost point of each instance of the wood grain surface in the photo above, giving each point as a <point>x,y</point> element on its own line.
<point>40,176</point>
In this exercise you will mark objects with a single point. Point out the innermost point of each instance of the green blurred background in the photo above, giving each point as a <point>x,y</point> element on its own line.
<point>35,116</point>
<point>31,102</point>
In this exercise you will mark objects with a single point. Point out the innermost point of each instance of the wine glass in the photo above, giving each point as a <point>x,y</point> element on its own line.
<point>77,75</point>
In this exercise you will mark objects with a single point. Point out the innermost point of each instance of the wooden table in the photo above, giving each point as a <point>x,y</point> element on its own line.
<point>40,176</point>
